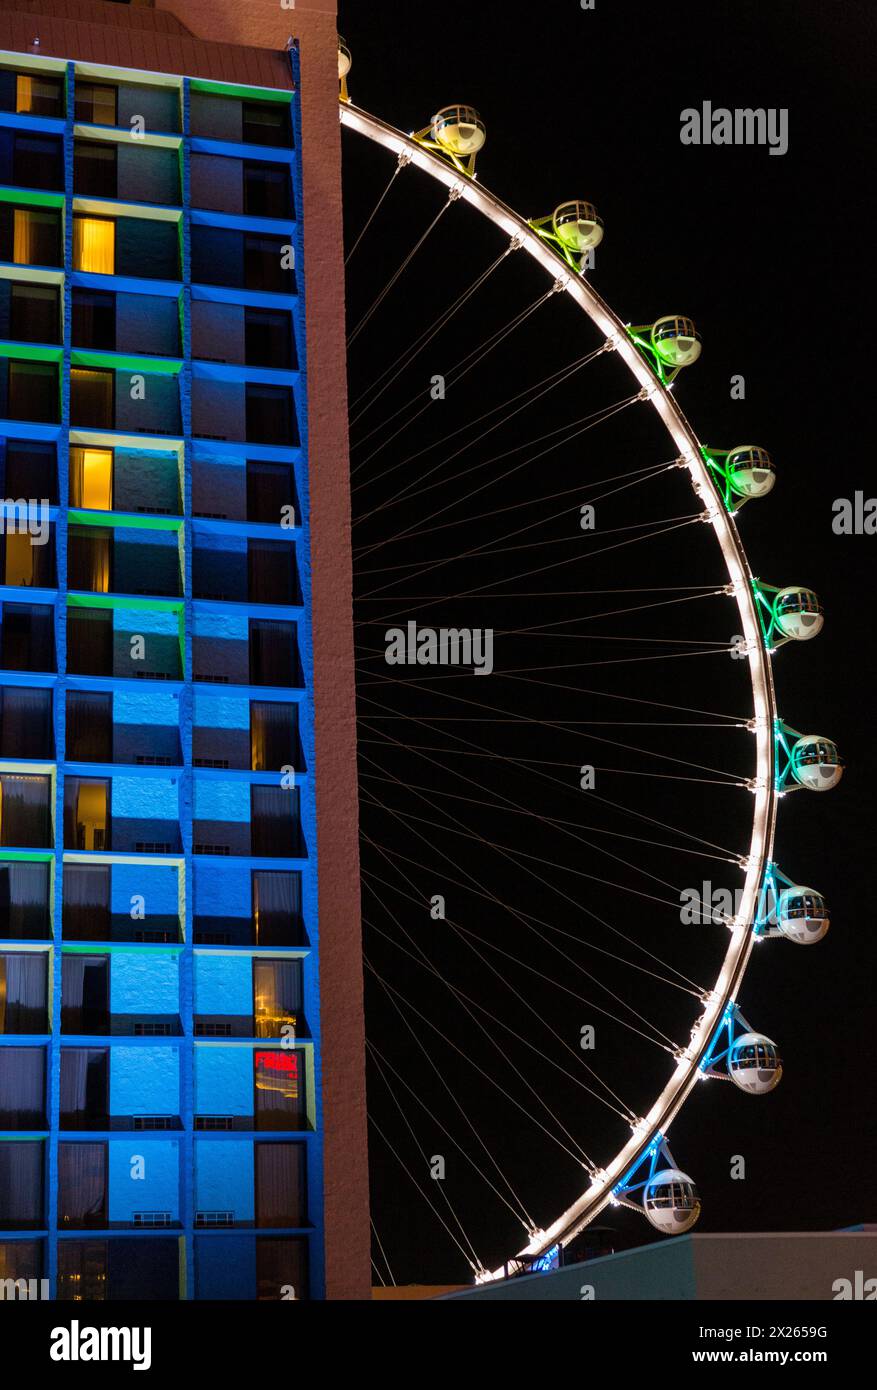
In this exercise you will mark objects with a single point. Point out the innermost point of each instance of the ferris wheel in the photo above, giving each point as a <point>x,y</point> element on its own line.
<point>653,794</point>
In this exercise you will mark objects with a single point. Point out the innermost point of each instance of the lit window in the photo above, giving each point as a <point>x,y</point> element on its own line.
<point>91,479</point>
<point>94,245</point>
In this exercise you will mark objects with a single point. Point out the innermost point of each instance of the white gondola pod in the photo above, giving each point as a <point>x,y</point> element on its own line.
<point>675,340</point>
<point>577,226</point>
<point>345,61</point>
<point>802,915</point>
<point>750,471</point>
<point>671,1202</point>
<point>459,130</point>
<point>797,613</point>
<point>816,763</point>
<point>754,1064</point>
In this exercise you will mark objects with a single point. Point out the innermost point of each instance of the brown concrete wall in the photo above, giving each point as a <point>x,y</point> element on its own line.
<point>313,23</point>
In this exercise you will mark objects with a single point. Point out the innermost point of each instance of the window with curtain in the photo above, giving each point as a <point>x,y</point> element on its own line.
<point>26,565</point>
<point>268,338</point>
<point>85,994</point>
<point>264,264</point>
<point>277,917</point>
<point>35,314</point>
<point>273,736</point>
<point>21,1186</point>
<point>281,1264</point>
<point>85,1073</point>
<point>270,412</point>
<point>274,822</point>
<point>86,913</point>
<point>39,94</point>
<point>36,237</point>
<point>277,997</point>
<point>23,992</point>
<point>94,245</point>
<point>94,319</point>
<point>95,103</point>
<point>82,1185</point>
<point>281,1198</point>
<point>89,726</point>
<point>22,1088</point>
<point>92,394</point>
<point>94,168</point>
<point>25,813</point>
<point>24,901</point>
<point>28,637</point>
<point>87,813</point>
<point>279,1090</point>
<point>33,392</point>
<point>31,470</point>
<point>270,489</point>
<point>21,1259</point>
<point>90,641</point>
<point>91,479</point>
<point>26,723</point>
<point>90,559</point>
<point>271,574</point>
<point>82,1270</point>
<point>273,653</point>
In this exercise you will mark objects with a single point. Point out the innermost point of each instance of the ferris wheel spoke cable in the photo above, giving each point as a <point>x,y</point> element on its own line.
<point>374,212</point>
<point>380,1245</point>
<point>395,276</point>
<point>380,1064</point>
<point>372,394</point>
<point>521,1214</point>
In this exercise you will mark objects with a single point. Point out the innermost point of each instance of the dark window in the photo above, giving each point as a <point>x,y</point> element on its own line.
<point>281,1265</point>
<point>24,901</point>
<point>268,338</point>
<point>85,994</point>
<point>23,985</point>
<point>21,1187</point>
<point>89,726</point>
<point>270,415</point>
<point>26,723</point>
<point>25,817</point>
<point>266,191</point>
<point>271,574</point>
<point>121,1269</point>
<point>274,741</point>
<point>30,236</point>
<point>36,94</point>
<point>281,1199</point>
<point>85,1075</point>
<point>33,392</point>
<point>37,162</point>
<point>82,1185</point>
<point>267,264</point>
<point>94,319</point>
<point>22,1088</point>
<point>95,103</point>
<point>273,653</point>
<point>28,637</point>
<point>279,1088</point>
<point>277,917</point>
<point>274,822</point>
<point>94,168</point>
<point>86,902</point>
<point>266,123</point>
<point>34,314</point>
<point>31,470</point>
<point>92,398</point>
<point>90,641</point>
<point>21,1259</point>
<point>271,493</point>
<point>90,559</point>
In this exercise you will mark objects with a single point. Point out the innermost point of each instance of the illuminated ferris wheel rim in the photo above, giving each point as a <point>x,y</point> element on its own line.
<point>654,1125</point>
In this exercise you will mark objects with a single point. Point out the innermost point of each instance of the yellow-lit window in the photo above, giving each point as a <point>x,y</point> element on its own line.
<point>94,245</point>
<point>19,567</point>
<point>91,479</point>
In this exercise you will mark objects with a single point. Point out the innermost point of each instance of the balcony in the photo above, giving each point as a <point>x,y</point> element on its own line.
<point>275,998</point>
<point>32,93</point>
<point>30,313</point>
<point>137,902</point>
<point>123,561</point>
<point>145,821</point>
<point>130,172</point>
<point>125,480</point>
<point>145,1093</point>
<point>145,995</point>
<point>97,731</point>
<point>30,235</point>
<point>142,642</point>
<point>246,571</point>
<point>137,402</point>
<point>30,390</point>
<point>233,908</point>
<point>258,651</point>
<point>139,324</point>
<point>265,740</point>
<point>135,247</point>
<point>242,260</point>
<point>27,637</point>
<point>26,723</point>
<point>24,900</point>
<point>232,818</point>
<point>24,992</point>
<point>22,1088</point>
<point>26,811</point>
<point>27,550</point>
<point>233,489</point>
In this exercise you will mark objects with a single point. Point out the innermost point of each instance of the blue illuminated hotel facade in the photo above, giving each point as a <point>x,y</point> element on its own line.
<point>160,1065</point>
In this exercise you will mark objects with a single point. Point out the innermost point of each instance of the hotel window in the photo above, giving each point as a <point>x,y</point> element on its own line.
<point>82,1270</point>
<point>265,123</point>
<point>270,490</point>
<point>277,908</point>
<point>271,576</point>
<point>21,1259</point>
<point>27,565</point>
<point>267,191</point>
<point>33,392</point>
<point>86,902</point>
<point>87,814</point>
<point>274,822</point>
<point>91,479</point>
<point>90,641</point>
<point>92,395</point>
<point>24,901</point>
<point>21,1187</point>
<point>26,723</point>
<point>94,168</point>
<point>22,1088</point>
<point>35,236</point>
<point>37,162</point>
<point>82,1186</point>
<point>94,319</point>
<point>25,812</point>
<point>277,998</point>
<point>280,1171</point>
<point>268,338</point>
<point>273,653</point>
<point>270,415</point>
<point>35,314</point>
<point>90,559</point>
<point>273,736</point>
<point>279,1090</point>
<point>30,470</point>
<point>281,1265</point>
<point>94,245</point>
<point>96,103</point>
<point>85,1076</point>
<point>85,994</point>
<point>38,94</point>
<point>89,726</point>
<point>28,637</point>
<point>264,258</point>
<point>23,986</point>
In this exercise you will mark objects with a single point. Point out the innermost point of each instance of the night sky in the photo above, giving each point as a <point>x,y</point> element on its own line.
<point>767,255</point>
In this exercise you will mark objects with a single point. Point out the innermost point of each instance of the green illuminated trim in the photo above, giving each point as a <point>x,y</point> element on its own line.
<point>137,605</point>
<point>136,522</point>
<point>122,362</point>
<point>32,197</point>
<point>31,856</point>
<point>115,948</point>
<point>228,89</point>
<point>32,352</point>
